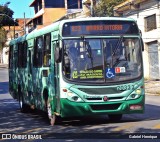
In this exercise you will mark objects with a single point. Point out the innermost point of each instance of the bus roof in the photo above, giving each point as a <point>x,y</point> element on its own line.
<point>99,18</point>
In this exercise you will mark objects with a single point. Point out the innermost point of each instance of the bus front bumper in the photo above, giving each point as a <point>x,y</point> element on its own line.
<point>69,108</point>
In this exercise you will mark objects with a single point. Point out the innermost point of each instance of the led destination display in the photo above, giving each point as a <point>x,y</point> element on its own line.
<point>99,28</point>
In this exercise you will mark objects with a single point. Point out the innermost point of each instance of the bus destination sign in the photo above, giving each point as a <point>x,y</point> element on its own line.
<point>96,28</point>
<point>99,28</point>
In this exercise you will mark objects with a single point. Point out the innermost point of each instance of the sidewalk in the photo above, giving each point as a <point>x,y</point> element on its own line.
<point>152,87</point>
<point>3,65</point>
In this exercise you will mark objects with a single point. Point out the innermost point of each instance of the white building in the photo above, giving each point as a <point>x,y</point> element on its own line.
<point>147,15</point>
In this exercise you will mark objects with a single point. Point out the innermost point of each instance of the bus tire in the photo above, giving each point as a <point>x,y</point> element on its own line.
<point>51,117</point>
<point>115,117</point>
<point>22,105</point>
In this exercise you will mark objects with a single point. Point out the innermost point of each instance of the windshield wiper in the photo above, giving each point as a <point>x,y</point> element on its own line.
<point>118,45</point>
<point>89,51</point>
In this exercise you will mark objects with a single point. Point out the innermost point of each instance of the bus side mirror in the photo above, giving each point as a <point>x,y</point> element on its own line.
<point>58,55</point>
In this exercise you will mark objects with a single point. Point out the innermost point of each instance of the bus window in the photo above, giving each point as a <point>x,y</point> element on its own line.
<point>24,59</point>
<point>83,57</point>
<point>38,48</point>
<point>20,54</point>
<point>47,50</point>
<point>124,58</point>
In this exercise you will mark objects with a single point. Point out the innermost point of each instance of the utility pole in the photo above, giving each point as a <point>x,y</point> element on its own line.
<point>91,8</point>
<point>24,23</point>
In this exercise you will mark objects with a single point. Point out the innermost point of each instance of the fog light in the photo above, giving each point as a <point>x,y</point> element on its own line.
<point>135,107</point>
<point>133,95</point>
<point>75,98</point>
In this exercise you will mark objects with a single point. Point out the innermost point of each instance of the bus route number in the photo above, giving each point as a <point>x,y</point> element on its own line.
<point>125,87</point>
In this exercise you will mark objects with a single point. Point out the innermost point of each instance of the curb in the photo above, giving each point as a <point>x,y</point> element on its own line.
<point>3,65</point>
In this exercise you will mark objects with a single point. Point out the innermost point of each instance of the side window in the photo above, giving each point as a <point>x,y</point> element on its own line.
<point>47,50</point>
<point>38,48</point>
<point>20,54</point>
<point>11,57</point>
<point>24,61</point>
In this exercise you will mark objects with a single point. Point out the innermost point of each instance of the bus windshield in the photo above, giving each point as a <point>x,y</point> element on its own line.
<point>102,60</point>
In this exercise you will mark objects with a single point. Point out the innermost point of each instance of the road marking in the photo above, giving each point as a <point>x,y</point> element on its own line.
<point>32,130</point>
<point>123,127</point>
<point>156,126</point>
<point>11,130</point>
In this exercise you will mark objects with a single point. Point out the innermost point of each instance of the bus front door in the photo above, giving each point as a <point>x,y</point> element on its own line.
<point>57,87</point>
<point>56,83</point>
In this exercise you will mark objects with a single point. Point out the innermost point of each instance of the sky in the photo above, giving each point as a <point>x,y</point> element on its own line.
<point>20,7</point>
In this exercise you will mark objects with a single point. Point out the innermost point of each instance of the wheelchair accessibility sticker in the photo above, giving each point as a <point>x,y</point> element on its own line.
<point>110,73</point>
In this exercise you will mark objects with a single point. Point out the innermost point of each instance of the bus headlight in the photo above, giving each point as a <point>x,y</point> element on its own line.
<point>138,91</point>
<point>73,97</point>
<point>136,94</point>
<point>132,96</point>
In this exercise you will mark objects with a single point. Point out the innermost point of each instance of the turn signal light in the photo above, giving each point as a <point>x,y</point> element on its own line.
<point>64,90</point>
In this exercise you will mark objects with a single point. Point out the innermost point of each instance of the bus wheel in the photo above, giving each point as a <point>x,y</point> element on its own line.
<point>23,106</point>
<point>51,117</point>
<point>115,117</point>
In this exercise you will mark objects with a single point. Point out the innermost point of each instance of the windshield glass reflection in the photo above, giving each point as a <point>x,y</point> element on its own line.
<point>102,60</point>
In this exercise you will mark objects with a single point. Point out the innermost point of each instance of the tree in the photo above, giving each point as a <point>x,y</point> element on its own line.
<point>5,20</point>
<point>3,35</point>
<point>6,15</point>
<point>105,7</point>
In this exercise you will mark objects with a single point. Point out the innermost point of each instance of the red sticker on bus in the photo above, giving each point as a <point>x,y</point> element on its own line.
<point>117,70</point>
<point>120,70</point>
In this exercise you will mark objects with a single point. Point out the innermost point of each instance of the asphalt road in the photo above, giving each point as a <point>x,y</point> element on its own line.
<point>89,129</point>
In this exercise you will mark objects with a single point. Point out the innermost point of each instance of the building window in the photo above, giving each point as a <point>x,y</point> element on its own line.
<point>38,48</point>
<point>40,20</point>
<point>38,6</point>
<point>47,50</point>
<point>54,4</point>
<point>74,4</point>
<point>150,23</point>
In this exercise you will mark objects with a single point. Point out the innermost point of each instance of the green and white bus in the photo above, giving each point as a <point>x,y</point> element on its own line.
<point>79,67</point>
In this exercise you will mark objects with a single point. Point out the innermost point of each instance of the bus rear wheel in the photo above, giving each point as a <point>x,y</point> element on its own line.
<point>23,106</point>
<point>115,117</point>
<point>51,117</point>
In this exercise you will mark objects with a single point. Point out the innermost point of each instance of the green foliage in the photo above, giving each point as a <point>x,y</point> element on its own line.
<point>6,15</point>
<point>2,37</point>
<point>5,20</point>
<point>105,7</point>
